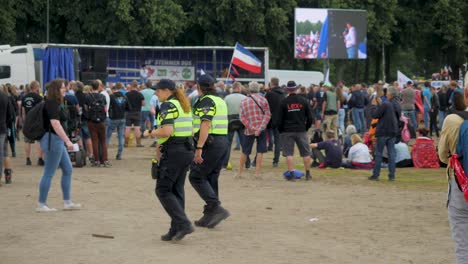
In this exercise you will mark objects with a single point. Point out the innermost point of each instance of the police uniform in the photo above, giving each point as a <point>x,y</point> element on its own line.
<point>204,176</point>
<point>176,156</point>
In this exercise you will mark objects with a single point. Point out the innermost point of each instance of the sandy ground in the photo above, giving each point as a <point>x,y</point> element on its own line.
<point>358,221</point>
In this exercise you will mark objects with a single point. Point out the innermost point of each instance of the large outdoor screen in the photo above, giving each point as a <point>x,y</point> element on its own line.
<point>330,34</point>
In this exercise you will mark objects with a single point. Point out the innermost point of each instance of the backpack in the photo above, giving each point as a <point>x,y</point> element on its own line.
<point>33,127</point>
<point>459,161</point>
<point>317,136</point>
<point>97,108</point>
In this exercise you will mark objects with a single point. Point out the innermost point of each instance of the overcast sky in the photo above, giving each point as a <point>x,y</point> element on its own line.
<point>314,15</point>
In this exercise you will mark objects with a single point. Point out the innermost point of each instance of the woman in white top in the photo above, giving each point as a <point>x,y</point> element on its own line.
<point>359,155</point>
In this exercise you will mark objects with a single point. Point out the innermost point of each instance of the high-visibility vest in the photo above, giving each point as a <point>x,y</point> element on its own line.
<point>182,121</point>
<point>219,123</point>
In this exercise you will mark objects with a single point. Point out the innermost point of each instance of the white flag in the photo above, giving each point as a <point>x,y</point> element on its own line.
<point>326,78</point>
<point>402,80</point>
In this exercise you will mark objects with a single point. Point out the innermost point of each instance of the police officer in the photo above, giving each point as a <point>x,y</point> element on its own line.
<point>176,153</point>
<point>210,127</point>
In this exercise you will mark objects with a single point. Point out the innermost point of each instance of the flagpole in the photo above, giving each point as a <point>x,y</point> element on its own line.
<point>230,64</point>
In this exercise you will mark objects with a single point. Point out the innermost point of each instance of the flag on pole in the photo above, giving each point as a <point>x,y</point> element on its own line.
<point>232,77</point>
<point>235,71</point>
<point>402,80</point>
<point>246,60</point>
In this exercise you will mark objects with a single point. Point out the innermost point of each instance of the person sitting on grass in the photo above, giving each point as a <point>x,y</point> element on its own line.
<point>350,130</point>
<point>359,155</point>
<point>333,154</point>
<point>424,153</point>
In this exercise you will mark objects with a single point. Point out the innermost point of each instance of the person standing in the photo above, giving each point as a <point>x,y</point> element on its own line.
<point>146,114</point>
<point>154,106</point>
<point>350,40</point>
<point>81,95</point>
<point>133,117</point>
<point>330,108</point>
<point>456,203</point>
<point>443,105</point>
<point>96,107</point>
<point>210,127</point>
<point>427,99</point>
<point>117,107</point>
<point>176,148</point>
<point>356,103</point>
<point>4,114</point>
<point>233,102</point>
<point>293,120</point>
<point>274,97</point>
<point>255,115</point>
<point>408,96</point>
<point>434,112</point>
<point>387,130</point>
<point>29,100</point>
<point>55,144</point>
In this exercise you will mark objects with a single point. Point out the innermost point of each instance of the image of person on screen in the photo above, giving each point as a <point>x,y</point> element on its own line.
<point>350,41</point>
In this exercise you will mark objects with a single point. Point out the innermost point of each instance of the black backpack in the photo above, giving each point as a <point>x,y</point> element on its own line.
<point>96,110</point>
<point>33,127</point>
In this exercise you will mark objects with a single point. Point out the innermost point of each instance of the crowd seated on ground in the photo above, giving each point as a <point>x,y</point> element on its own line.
<point>424,153</point>
<point>350,130</point>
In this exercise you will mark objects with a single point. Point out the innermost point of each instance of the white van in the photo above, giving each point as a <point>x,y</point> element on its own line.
<point>17,65</point>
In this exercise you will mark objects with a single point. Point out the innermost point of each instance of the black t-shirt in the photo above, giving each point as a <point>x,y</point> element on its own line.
<point>134,100</point>
<point>53,110</point>
<point>30,100</point>
<point>4,112</point>
<point>295,114</point>
<point>118,106</point>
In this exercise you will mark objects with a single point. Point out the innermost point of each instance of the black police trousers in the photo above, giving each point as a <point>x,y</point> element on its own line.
<point>173,166</point>
<point>204,176</point>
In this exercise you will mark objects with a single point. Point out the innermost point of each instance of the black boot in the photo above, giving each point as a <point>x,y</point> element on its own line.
<point>307,176</point>
<point>183,231</point>
<point>170,234</point>
<point>218,215</point>
<point>7,176</point>
<point>203,221</point>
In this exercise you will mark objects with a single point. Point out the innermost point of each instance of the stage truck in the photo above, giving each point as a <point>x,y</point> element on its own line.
<point>45,62</point>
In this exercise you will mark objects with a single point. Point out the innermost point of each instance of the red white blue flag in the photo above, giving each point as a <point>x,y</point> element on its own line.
<point>246,60</point>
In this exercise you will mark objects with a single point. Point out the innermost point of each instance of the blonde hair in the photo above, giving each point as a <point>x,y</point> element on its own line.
<point>355,138</point>
<point>183,99</point>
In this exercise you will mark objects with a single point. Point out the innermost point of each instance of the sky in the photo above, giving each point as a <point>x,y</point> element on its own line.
<point>314,15</point>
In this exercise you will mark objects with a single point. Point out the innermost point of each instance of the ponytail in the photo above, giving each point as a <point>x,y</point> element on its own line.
<point>183,100</point>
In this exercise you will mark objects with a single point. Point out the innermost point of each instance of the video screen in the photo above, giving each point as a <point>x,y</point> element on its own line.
<point>330,34</point>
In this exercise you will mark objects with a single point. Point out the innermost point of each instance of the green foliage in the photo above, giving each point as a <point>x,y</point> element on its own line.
<point>304,28</point>
<point>419,36</point>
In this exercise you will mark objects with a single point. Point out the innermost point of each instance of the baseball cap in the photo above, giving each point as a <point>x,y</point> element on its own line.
<point>165,84</point>
<point>327,84</point>
<point>291,85</point>
<point>206,80</point>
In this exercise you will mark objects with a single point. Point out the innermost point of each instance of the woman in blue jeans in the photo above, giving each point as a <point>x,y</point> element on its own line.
<point>55,144</point>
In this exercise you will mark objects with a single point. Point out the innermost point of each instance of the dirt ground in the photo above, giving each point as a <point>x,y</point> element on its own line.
<point>358,221</point>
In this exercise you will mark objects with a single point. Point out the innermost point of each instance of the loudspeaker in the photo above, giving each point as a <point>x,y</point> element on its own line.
<point>88,77</point>
<point>100,60</point>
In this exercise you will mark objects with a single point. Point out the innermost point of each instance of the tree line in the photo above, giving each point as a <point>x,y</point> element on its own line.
<point>418,36</point>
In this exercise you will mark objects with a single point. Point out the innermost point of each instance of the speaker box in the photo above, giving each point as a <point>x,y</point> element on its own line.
<point>100,60</point>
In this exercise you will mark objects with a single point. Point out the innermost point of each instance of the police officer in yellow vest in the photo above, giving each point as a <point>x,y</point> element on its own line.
<point>210,127</point>
<point>174,135</point>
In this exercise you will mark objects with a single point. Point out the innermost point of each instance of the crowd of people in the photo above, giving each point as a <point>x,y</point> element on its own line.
<point>359,127</point>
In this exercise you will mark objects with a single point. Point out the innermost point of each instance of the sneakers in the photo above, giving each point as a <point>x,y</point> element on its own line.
<point>40,162</point>
<point>7,176</point>
<point>217,216</point>
<point>154,144</point>
<point>91,160</point>
<point>28,162</point>
<point>183,232</point>
<point>71,206</point>
<point>275,164</point>
<point>45,209</point>
<point>169,235</point>
<point>229,166</point>
<point>373,178</point>
<point>95,164</point>
<point>107,164</point>
<point>118,157</point>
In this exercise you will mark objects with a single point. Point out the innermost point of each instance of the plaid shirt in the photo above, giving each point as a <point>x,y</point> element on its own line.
<point>252,116</point>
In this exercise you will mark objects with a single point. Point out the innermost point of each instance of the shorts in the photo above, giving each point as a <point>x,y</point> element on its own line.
<point>317,114</point>
<point>249,140</point>
<point>133,118</point>
<point>29,141</point>
<point>300,138</point>
<point>85,131</point>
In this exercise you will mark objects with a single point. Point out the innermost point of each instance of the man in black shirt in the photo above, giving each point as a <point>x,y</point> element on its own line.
<point>118,106</point>
<point>4,114</point>
<point>293,121</point>
<point>30,100</point>
<point>274,98</point>
<point>135,101</point>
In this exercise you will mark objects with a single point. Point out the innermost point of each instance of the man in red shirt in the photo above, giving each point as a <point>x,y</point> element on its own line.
<point>255,115</point>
